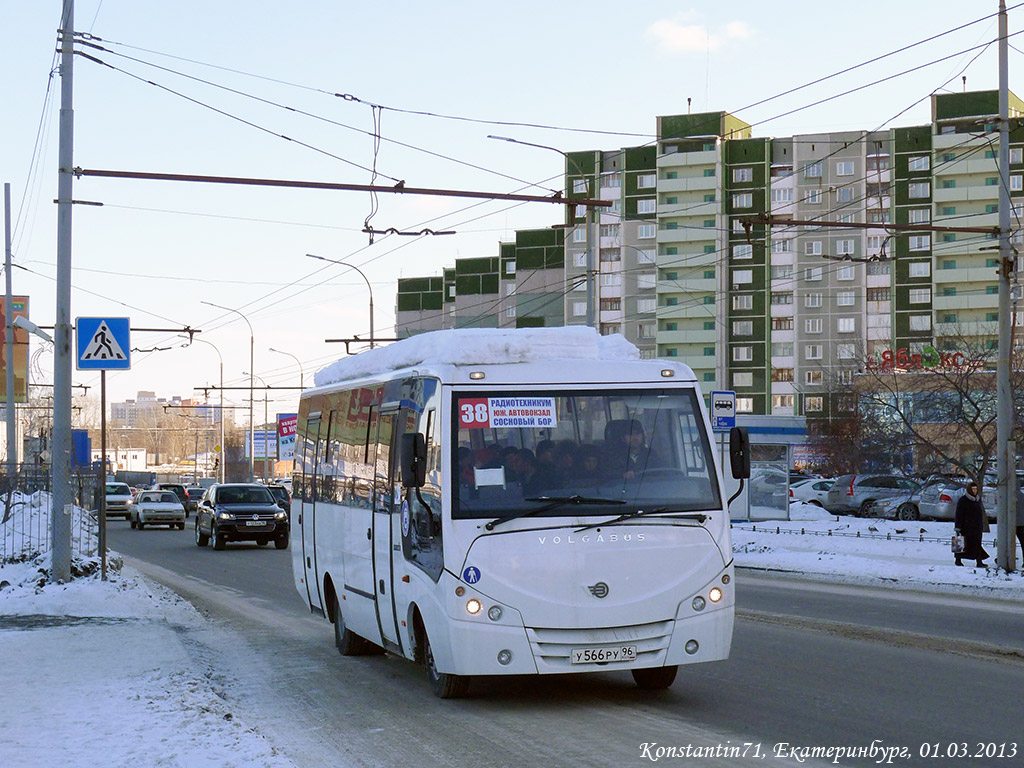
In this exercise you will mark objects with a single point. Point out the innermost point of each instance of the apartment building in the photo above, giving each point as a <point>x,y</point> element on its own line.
<point>696,260</point>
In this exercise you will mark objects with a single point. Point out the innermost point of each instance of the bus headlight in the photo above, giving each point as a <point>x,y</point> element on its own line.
<point>698,603</point>
<point>714,594</point>
<point>494,613</point>
<point>474,606</point>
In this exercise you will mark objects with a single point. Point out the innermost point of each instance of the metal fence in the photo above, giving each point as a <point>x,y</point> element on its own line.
<point>25,514</point>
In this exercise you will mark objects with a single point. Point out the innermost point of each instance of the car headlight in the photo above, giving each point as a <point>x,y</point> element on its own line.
<point>281,515</point>
<point>225,516</point>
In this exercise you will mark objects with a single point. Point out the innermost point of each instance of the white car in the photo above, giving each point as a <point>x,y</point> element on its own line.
<point>811,491</point>
<point>157,508</point>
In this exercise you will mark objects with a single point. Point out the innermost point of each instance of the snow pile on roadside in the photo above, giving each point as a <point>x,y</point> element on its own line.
<point>25,539</point>
<point>869,551</point>
<point>109,673</point>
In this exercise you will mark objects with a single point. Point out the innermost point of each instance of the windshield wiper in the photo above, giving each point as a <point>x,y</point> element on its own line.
<point>700,517</point>
<point>553,503</point>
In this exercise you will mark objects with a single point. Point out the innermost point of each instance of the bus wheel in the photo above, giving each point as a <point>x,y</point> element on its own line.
<point>443,685</point>
<point>348,643</point>
<point>654,678</point>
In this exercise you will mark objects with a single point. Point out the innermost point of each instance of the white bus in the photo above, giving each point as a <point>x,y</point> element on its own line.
<point>491,502</point>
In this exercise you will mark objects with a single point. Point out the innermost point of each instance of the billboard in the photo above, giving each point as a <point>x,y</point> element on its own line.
<point>286,423</point>
<point>19,306</point>
<point>264,444</point>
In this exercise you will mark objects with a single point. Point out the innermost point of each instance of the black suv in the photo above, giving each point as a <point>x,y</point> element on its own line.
<point>281,496</point>
<point>178,490</point>
<point>240,512</point>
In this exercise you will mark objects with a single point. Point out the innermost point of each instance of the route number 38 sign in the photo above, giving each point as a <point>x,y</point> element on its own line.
<point>515,412</point>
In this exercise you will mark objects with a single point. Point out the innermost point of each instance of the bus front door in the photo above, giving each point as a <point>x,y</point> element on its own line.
<point>385,515</point>
<point>312,489</point>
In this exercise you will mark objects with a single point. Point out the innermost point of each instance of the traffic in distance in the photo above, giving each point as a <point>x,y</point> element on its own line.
<point>522,502</point>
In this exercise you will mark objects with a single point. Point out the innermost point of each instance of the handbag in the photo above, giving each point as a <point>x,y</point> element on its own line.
<point>956,544</point>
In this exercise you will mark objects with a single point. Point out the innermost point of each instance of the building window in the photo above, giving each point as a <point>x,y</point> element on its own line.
<point>920,242</point>
<point>609,279</point>
<point>845,272</point>
<point>919,189</point>
<point>709,299</point>
<point>920,322</point>
<point>919,215</point>
<point>783,195</point>
<point>645,256</point>
<point>948,290</point>
<point>846,351</point>
<point>611,254</point>
<point>812,300</point>
<point>611,305</point>
<point>744,405</point>
<point>645,306</point>
<point>814,404</point>
<point>708,172</point>
<point>742,174</point>
<point>1015,182</point>
<point>779,298</point>
<point>1016,155</point>
<point>782,323</point>
<point>510,312</point>
<point>647,231</point>
<point>743,379</point>
<point>812,325</point>
<point>646,281</point>
<point>812,378</point>
<point>845,194</point>
<point>813,171</point>
<point>782,374</point>
<point>579,308</point>
<point>844,168</point>
<point>919,163</point>
<point>579,260</point>
<point>579,235</point>
<point>579,186</point>
<point>646,181</point>
<point>920,295</point>
<point>611,180</point>
<point>813,197</point>
<point>812,352</point>
<point>782,401</point>
<point>813,274</point>
<point>646,205</point>
<point>782,272</point>
<point>844,298</point>
<point>742,327</point>
<point>920,269</point>
<point>742,276</point>
<point>845,247</point>
<point>581,211</point>
<point>742,354</point>
<point>782,246</point>
<point>709,351</point>
<point>609,230</point>
<point>782,349</point>
<point>709,325</point>
<point>879,294</point>
<point>846,325</point>
<point>991,181</point>
<point>744,251</point>
<point>743,200</point>
<point>878,268</point>
<point>709,274</point>
<point>812,247</point>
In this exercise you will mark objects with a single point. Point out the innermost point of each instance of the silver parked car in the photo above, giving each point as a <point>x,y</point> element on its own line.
<point>939,498</point>
<point>813,490</point>
<point>856,494</point>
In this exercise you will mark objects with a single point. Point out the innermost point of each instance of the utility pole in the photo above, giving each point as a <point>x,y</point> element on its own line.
<point>60,447</point>
<point>1006,492</point>
<point>12,425</point>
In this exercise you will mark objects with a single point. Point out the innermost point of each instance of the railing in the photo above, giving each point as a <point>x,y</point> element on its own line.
<point>25,516</point>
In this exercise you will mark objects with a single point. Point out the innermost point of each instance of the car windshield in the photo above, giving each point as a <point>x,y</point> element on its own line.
<point>244,495</point>
<point>637,449</point>
<point>118,489</point>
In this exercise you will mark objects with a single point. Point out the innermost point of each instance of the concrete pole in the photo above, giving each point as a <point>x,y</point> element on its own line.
<point>1005,464</point>
<point>9,416</point>
<point>60,446</point>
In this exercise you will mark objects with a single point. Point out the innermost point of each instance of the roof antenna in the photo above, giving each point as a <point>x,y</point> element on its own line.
<point>689,102</point>
<point>964,78</point>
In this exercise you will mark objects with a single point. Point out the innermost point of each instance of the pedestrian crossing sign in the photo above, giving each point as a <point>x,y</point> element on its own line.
<point>104,343</point>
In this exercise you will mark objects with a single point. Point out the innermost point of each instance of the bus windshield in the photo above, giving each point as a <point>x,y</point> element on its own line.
<point>636,449</point>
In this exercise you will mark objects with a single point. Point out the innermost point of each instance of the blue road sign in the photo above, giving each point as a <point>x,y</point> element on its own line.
<point>723,411</point>
<point>103,343</point>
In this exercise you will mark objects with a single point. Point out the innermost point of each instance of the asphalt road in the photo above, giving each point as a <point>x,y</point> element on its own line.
<point>811,666</point>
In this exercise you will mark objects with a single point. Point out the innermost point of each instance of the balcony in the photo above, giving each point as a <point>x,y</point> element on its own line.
<point>694,284</point>
<point>989,301</point>
<point>689,184</point>
<point>677,159</point>
<point>969,275</point>
<point>689,336</point>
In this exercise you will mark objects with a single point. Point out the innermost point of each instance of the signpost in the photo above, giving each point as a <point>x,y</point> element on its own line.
<point>723,411</point>
<point>104,344</point>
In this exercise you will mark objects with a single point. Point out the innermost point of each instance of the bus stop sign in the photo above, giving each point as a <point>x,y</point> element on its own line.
<point>723,411</point>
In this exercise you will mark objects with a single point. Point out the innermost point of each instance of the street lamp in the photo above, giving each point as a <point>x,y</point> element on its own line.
<point>591,239</point>
<point>222,455</point>
<point>368,286</point>
<point>266,443</point>
<point>252,345</point>
<point>298,362</point>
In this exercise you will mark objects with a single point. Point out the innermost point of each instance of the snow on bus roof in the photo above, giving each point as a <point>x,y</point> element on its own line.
<point>481,346</point>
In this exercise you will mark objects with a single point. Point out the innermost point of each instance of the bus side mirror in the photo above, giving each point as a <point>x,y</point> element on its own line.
<point>414,460</point>
<point>739,452</point>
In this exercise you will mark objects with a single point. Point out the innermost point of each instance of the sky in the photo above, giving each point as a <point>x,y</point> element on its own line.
<point>596,78</point>
<point>158,687</point>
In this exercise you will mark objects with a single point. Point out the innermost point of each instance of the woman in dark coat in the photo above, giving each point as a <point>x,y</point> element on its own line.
<point>970,519</point>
